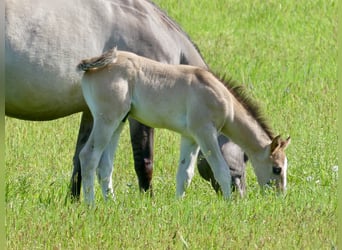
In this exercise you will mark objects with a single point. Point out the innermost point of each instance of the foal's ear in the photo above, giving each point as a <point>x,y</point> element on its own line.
<point>278,143</point>
<point>285,143</point>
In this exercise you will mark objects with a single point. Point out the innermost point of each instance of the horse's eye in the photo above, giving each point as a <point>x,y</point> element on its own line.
<point>276,170</point>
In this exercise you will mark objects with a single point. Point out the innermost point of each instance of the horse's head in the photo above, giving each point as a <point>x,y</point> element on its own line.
<point>273,167</point>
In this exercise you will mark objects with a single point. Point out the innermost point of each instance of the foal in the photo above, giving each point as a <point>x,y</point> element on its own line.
<point>185,99</point>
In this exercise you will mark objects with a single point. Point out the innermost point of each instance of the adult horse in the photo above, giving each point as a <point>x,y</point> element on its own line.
<point>44,40</point>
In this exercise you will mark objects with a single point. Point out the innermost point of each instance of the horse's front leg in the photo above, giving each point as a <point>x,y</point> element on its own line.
<point>83,135</point>
<point>188,154</point>
<point>105,168</point>
<point>142,145</point>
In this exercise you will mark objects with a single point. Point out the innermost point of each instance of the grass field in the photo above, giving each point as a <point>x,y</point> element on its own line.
<point>285,52</point>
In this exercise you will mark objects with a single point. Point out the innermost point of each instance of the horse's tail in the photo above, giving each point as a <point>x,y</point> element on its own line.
<point>98,62</point>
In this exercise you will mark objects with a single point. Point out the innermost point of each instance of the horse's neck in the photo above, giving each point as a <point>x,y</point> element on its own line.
<point>190,55</point>
<point>245,131</point>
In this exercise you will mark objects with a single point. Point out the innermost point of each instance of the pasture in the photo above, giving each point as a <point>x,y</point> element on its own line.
<point>285,54</point>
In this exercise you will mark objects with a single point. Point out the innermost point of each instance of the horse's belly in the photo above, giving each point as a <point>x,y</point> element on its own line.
<point>32,107</point>
<point>43,96</point>
<point>43,46</point>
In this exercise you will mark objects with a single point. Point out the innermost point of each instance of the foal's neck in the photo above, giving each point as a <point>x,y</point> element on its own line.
<point>246,131</point>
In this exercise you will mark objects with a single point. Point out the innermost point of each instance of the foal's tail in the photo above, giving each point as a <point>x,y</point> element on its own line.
<point>98,62</point>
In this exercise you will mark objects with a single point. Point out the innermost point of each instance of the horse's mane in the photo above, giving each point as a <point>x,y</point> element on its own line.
<point>252,107</point>
<point>172,24</point>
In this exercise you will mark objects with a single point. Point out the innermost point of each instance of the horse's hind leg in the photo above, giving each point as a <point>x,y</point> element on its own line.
<point>207,139</point>
<point>83,135</point>
<point>188,154</point>
<point>105,168</point>
<point>142,145</point>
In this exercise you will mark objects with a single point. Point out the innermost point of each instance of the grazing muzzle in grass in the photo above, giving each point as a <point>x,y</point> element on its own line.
<point>274,165</point>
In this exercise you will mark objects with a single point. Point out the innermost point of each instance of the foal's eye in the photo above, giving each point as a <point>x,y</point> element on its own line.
<point>276,170</point>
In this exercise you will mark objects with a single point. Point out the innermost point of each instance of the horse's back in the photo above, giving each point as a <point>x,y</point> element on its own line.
<point>45,40</point>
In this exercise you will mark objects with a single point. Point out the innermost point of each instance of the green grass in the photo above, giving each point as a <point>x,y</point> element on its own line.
<point>285,53</point>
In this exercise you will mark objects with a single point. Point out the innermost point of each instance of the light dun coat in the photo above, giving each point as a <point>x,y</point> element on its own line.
<point>184,99</point>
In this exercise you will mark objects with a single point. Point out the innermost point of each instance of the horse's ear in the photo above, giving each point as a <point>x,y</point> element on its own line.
<point>276,142</point>
<point>285,143</point>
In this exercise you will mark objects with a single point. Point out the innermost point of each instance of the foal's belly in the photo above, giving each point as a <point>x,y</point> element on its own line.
<point>168,118</point>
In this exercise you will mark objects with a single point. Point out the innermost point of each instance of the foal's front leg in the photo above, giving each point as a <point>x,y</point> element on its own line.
<point>188,155</point>
<point>207,139</point>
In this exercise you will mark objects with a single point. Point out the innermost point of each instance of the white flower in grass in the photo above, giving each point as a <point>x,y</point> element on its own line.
<point>335,171</point>
<point>334,168</point>
<point>309,178</point>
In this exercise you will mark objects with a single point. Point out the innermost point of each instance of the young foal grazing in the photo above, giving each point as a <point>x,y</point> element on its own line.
<point>187,100</point>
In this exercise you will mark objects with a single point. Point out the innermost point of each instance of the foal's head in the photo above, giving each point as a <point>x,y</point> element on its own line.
<point>273,168</point>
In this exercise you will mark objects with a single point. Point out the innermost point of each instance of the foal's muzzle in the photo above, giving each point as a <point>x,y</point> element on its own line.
<point>278,184</point>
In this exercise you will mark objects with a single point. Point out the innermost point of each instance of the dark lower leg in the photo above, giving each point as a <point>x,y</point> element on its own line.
<point>142,144</point>
<point>83,135</point>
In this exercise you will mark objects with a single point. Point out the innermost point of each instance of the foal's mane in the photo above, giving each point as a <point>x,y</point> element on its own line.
<point>252,107</point>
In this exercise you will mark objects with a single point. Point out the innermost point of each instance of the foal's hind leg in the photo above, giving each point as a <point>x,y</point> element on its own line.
<point>188,154</point>
<point>207,139</point>
<point>91,153</point>
<point>105,168</point>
